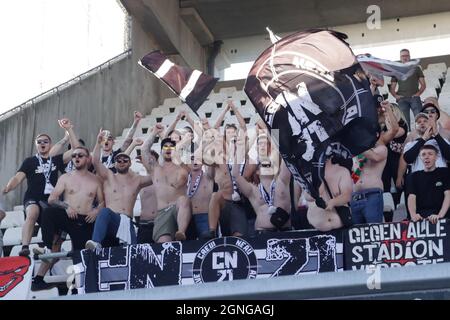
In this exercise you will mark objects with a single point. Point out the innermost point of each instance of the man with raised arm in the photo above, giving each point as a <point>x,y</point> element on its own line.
<point>336,191</point>
<point>149,206</point>
<point>200,187</point>
<point>41,172</point>
<point>367,198</point>
<point>269,198</point>
<point>107,154</point>
<point>75,215</point>
<point>120,190</point>
<point>169,179</point>
<point>225,204</point>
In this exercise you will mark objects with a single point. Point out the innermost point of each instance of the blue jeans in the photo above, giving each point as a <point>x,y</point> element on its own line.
<point>367,206</point>
<point>407,103</point>
<point>107,224</point>
<point>201,223</point>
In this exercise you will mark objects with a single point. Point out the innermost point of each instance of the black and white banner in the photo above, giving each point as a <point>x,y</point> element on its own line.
<point>191,86</point>
<point>306,85</point>
<point>221,259</point>
<point>397,244</point>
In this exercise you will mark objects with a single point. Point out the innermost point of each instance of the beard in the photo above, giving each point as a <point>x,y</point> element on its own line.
<point>122,171</point>
<point>80,166</point>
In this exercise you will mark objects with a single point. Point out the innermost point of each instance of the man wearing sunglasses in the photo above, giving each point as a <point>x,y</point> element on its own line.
<point>107,153</point>
<point>268,198</point>
<point>434,114</point>
<point>75,215</point>
<point>170,178</point>
<point>120,190</point>
<point>41,173</point>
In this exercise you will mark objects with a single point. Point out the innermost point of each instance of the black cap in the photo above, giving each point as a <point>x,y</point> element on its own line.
<point>122,155</point>
<point>168,140</point>
<point>431,105</point>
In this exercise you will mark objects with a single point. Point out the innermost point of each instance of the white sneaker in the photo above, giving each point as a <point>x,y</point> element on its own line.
<point>92,245</point>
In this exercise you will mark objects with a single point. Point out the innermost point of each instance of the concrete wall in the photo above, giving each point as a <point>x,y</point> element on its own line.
<point>105,99</point>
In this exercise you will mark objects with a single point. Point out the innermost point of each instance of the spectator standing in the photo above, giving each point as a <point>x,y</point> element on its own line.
<point>409,90</point>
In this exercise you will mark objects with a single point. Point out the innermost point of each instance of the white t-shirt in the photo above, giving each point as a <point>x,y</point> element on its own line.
<point>417,165</point>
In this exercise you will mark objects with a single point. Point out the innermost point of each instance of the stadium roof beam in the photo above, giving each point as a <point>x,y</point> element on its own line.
<point>162,19</point>
<point>236,18</point>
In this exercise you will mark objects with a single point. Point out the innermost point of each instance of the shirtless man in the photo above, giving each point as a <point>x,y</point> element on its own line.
<point>224,204</point>
<point>199,190</point>
<point>75,215</point>
<point>148,208</point>
<point>337,213</point>
<point>270,198</point>
<point>107,154</point>
<point>120,190</point>
<point>367,198</point>
<point>41,173</point>
<point>174,214</point>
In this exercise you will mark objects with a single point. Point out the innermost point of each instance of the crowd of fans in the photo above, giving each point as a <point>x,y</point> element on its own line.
<point>206,183</point>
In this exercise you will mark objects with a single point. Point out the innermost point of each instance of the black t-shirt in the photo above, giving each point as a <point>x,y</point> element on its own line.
<point>429,188</point>
<point>109,162</point>
<point>35,175</point>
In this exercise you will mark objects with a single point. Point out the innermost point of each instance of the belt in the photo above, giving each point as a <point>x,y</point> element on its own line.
<point>363,194</point>
<point>145,223</point>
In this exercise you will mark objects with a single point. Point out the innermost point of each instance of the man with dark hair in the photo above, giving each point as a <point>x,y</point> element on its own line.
<point>409,90</point>
<point>149,207</point>
<point>428,135</point>
<point>120,190</point>
<point>429,196</point>
<point>173,206</point>
<point>75,215</point>
<point>434,114</point>
<point>107,154</point>
<point>41,172</point>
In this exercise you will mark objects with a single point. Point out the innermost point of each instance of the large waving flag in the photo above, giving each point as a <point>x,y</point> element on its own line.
<point>191,86</point>
<point>307,86</point>
<point>381,67</point>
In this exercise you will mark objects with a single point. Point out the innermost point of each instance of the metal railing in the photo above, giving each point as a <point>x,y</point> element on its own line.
<point>65,85</point>
<point>413,282</point>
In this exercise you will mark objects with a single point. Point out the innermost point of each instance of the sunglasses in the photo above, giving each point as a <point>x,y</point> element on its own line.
<point>168,148</point>
<point>43,141</point>
<point>122,160</point>
<point>78,155</point>
<point>429,111</point>
<point>266,165</point>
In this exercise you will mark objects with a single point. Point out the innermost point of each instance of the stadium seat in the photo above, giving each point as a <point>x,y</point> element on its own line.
<point>66,246</point>
<point>13,219</point>
<point>44,294</point>
<point>18,208</point>
<point>388,202</point>
<point>38,238</point>
<point>12,236</point>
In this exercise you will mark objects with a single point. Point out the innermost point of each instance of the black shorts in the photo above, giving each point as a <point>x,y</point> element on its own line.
<point>145,232</point>
<point>233,218</point>
<point>42,205</point>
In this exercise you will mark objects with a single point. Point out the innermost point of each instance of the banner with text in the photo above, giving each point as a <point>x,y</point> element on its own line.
<point>221,259</point>
<point>397,244</point>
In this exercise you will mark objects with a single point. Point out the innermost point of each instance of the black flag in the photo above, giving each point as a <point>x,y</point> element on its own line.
<point>191,86</point>
<point>308,86</point>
